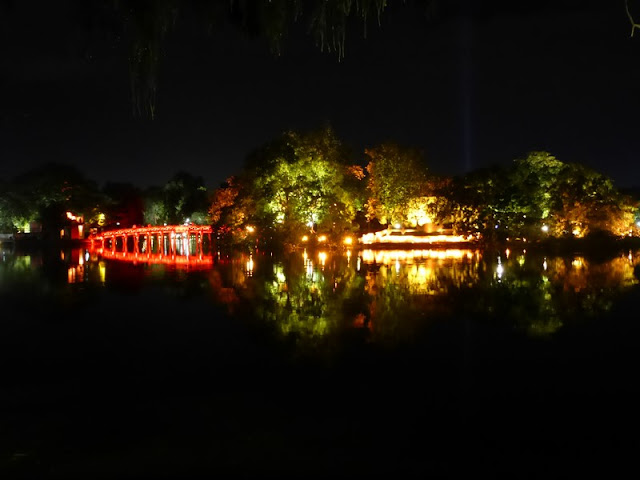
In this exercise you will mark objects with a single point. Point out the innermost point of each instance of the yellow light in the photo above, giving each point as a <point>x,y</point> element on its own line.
<point>305,238</point>
<point>322,238</point>
<point>348,240</point>
<point>251,228</point>
<point>322,256</point>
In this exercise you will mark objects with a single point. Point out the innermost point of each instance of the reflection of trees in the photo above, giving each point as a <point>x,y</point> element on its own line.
<point>405,293</point>
<point>541,294</point>
<point>311,302</point>
<point>315,300</point>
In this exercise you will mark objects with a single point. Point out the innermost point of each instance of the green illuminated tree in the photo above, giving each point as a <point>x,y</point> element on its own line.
<point>302,182</point>
<point>396,176</point>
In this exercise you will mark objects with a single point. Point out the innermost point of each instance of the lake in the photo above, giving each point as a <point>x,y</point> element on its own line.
<point>319,363</point>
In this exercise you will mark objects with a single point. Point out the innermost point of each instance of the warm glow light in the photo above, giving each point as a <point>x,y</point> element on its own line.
<point>179,235</point>
<point>385,237</point>
<point>322,256</point>
<point>545,228</point>
<point>251,228</point>
<point>322,238</point>
<point>305,238</point>
<point>348,240</point>
<point>387,257</point>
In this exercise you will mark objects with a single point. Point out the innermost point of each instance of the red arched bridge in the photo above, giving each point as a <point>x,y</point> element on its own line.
<point>168,244</point>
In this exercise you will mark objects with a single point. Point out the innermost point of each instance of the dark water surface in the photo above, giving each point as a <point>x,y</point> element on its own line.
<point>453,363</point>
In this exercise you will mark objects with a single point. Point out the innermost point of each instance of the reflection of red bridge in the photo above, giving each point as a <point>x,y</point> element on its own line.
<point>187,245</point>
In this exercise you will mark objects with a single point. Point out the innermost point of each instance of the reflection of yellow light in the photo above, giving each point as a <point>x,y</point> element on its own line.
<point>507,252</point>
<point>250,264</point>
<point>305,238</point>
<point>102,268</point>
<point>499,270</point>
<point>521,260</point>
<point>304,255</point>
<point>577,263</point>
<point>390,256</point>
<point>348,240</point>
<point>407,238</point>
<point>322,256</point>
<point>309,264</point>
<point>322,238</point>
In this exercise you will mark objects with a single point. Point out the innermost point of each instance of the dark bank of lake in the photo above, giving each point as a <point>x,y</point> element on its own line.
<point>320,363</point>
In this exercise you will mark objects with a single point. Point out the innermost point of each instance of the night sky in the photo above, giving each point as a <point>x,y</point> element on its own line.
<point>469,90</point>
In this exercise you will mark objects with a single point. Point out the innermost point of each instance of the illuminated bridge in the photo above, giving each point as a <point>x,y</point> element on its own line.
<point>188,245</point>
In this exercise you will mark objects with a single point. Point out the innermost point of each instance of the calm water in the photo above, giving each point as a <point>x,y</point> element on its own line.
<point>454,362</point>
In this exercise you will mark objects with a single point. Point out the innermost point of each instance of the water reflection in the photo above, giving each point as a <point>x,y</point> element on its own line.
<point>391,296</point>
<point>314,298</point>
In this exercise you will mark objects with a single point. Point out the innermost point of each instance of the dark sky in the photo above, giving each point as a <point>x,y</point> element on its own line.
<point>470,91</point>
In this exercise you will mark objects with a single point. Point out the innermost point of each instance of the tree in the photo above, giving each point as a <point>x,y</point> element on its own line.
<point>124,206</point>
<point>46,193</point>
<point>396,177</point>
<point>185,198</point>
<point>302,182</point>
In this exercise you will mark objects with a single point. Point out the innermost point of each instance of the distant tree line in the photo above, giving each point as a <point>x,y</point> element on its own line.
<point>311,183</point>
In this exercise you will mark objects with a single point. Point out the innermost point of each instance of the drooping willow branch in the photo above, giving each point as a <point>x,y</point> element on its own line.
<point>634,24</point>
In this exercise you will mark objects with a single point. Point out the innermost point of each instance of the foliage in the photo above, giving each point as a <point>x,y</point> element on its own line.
<point>396,178</point>
<point>124,205</point>
<point>45,194</point>
<point>298,183</point>
<point>185,197</point>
